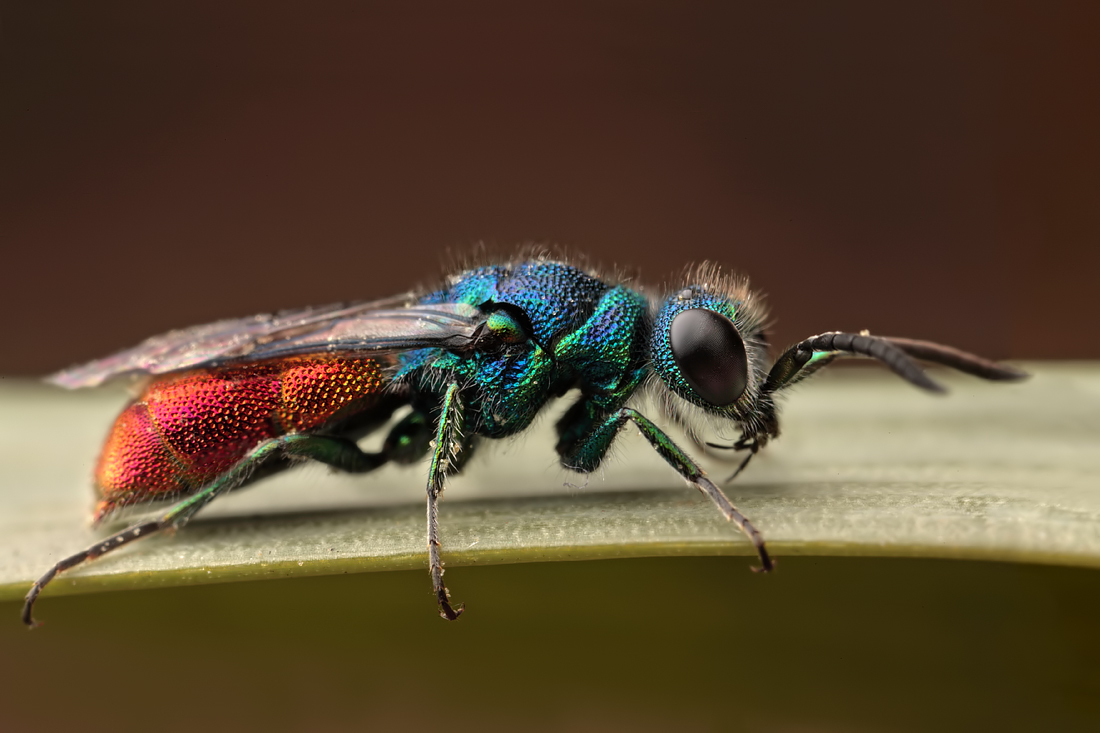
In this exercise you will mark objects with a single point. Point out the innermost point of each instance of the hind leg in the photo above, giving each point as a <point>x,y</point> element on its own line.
<point>405,443</point>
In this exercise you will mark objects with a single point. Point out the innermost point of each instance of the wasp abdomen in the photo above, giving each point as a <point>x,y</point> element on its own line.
<point>187,429</point>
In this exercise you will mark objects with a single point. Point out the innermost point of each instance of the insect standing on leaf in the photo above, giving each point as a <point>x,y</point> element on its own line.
<point>235,400</point>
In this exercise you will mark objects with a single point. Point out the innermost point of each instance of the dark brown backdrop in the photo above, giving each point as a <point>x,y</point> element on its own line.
<point>931,171</point>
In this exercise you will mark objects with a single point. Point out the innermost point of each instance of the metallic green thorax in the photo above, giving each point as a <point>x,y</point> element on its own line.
<point>577,332</point>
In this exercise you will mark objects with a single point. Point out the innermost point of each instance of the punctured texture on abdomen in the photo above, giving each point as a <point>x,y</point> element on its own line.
<point>186,430</point>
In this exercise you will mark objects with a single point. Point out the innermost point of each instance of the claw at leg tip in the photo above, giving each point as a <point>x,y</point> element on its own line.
<point>449,613</point>
<point>28,619</point>
<point>765,568</point>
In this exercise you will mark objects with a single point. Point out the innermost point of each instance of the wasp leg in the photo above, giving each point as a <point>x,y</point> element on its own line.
<point>407,442</point>
<point>177,516</point>
<point>337,452</point>
<point>585,455</point>
<point>445,453</point>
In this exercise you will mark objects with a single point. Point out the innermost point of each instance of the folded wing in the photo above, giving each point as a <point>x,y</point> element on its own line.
<point>395,324</point>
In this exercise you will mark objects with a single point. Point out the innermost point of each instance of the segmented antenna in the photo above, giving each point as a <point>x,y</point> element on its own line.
<point>956,359</point>
<point>897,354</point>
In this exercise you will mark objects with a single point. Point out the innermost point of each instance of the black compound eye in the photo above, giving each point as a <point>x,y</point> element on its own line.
<point>710,354</point>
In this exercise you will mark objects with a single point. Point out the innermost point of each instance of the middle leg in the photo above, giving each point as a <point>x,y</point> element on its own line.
<point>446,450</point>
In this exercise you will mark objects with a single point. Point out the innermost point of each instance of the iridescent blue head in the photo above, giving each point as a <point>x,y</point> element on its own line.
<point>708,348</point>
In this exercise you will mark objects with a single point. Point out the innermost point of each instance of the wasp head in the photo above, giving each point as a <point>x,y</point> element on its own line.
<point>710,353</point>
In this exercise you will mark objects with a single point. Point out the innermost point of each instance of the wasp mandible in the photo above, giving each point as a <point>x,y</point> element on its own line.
<point>480,357</point>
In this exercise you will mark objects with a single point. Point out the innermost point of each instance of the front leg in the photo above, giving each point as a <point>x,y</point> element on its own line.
<point>445,455</point>
<point>585,454</point>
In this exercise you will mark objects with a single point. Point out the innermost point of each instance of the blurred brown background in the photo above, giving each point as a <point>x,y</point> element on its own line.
<point>931,170</point>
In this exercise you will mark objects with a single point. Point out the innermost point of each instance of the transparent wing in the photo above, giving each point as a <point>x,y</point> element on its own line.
<point>395,324</point>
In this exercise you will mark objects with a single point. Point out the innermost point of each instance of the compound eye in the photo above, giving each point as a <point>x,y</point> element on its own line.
<point>710,354</point>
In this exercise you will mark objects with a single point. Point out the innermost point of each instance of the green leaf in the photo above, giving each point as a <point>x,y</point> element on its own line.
<point>866,466</point>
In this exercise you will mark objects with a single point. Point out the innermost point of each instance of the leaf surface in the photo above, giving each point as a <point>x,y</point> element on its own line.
<point>866,466</point>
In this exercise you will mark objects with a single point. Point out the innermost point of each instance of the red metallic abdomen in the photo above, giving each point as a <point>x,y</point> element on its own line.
<point>187,429</point>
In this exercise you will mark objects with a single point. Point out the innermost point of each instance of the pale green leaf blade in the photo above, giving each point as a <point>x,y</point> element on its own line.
<point>866,466</point>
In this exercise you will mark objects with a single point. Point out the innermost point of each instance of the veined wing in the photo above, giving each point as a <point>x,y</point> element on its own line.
<point>394,324</point>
